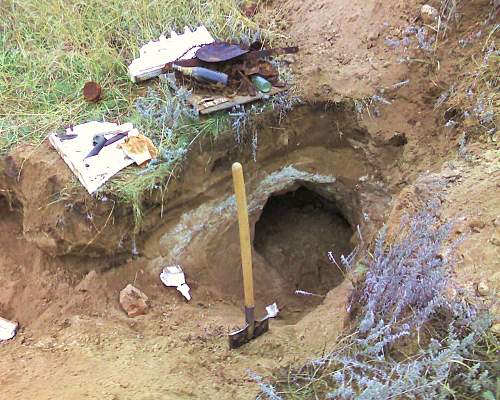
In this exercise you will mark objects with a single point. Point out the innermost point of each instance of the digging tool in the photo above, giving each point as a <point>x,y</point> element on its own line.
<point>100,142</point>
<point>253,328</point>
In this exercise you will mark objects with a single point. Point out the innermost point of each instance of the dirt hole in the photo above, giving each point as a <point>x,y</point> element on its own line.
<point>295,234</point>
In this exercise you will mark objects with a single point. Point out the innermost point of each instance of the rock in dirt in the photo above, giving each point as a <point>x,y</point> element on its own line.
<point>429,14</point>
<point>483,289</point>
<point>133,301</point>
<point>495,328</point>
<point>87,281</point>
<point>476,225</point>
<point>495,237</point>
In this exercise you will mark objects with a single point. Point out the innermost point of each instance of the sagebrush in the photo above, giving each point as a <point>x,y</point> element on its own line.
<point>415,336</point>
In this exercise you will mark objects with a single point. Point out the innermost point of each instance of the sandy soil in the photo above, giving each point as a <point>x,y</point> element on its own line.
<point>76,342</point>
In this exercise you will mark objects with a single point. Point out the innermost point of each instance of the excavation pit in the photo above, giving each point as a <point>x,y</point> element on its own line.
<point>297,234</point>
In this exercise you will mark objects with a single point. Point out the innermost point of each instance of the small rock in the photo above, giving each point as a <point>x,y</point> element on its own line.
<point>283,140</point>
<point>476,225</point>
<point>133,301</point>
<point>495,328</point>
<point>289,58</point>
<point>483,289</point>
<point>429,14</point>
<point>372,36</point>
<point>86,282</point>
<point>495,237</point>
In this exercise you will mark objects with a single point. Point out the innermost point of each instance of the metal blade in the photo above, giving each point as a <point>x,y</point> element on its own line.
<point>240,337</point>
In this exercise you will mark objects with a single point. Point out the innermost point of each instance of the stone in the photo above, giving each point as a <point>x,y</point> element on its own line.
<point>429,14</point>
<point>495,237</point>
<point>373,35</point>
<point>86,283</point>
<point>495,328</point>
<point>289,58</point>
<point>483,289</point>
<point>476,225</point>
<point>133,301</point>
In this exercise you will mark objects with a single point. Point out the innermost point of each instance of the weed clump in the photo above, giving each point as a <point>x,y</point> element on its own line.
<point>49,49</point>
<point>415,336</point>
<point>165,116</point>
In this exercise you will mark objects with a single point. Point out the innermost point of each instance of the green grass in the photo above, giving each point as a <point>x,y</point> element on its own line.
<point>174,134</point>
<point>50,48</point>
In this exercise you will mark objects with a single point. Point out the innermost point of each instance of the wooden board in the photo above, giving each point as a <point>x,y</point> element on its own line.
<point>209,103</point>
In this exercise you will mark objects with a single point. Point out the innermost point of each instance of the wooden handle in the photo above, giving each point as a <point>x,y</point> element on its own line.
<point>245,246</point>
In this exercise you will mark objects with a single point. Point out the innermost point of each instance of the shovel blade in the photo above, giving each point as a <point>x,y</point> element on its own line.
<point>239,338</point>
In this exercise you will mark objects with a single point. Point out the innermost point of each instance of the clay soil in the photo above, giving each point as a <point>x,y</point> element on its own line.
<point>319,175</point>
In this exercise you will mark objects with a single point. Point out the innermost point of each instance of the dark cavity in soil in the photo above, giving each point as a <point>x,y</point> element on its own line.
<point>295,234</point>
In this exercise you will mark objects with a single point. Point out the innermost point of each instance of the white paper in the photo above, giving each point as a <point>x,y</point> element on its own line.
<point>8,329</point>
<point>272,310</point>
<point>184,289</point>
<point>94,171</point>
<point>172,276</point>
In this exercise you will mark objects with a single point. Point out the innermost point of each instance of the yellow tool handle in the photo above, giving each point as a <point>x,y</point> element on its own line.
<point>245,246</point>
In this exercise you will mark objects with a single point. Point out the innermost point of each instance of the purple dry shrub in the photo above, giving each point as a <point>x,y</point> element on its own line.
<point>405,289</point>
<point>406,282</point>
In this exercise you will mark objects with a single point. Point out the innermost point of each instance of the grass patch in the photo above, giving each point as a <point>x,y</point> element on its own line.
<point>50,48</point>
<point>473,99</point>
<point>477,94</point>
<point>164,116</point>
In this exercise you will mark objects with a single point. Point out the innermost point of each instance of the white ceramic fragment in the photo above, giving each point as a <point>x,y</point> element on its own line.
<point>174,277</point>
<point>272,310</point>
<point>8,329</point>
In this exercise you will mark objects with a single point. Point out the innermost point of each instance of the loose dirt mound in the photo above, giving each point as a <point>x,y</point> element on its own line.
<point>342,45</point>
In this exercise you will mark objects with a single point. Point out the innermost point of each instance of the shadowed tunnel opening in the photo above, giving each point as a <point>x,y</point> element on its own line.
<point>296,233</point>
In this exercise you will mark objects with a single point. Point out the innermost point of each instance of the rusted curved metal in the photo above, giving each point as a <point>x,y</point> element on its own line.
<point>219,52</point>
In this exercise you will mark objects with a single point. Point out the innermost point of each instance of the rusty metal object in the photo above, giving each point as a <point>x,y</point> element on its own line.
<point>237,63</point>
<point>219,52</point>
<point>250,56</point>
<point>247,84</point>
<point>92,91</point>
<point>261,67</point>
